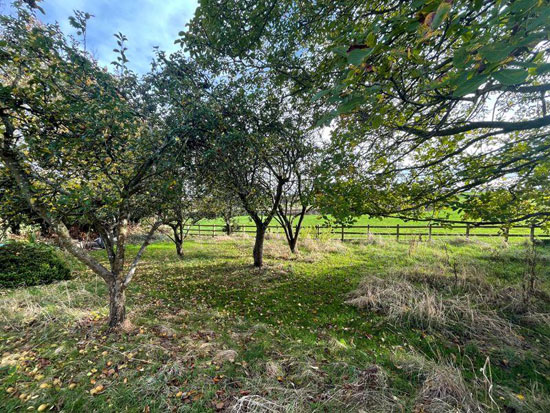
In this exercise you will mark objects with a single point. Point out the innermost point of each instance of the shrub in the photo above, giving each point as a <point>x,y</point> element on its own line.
<point>24,264</point>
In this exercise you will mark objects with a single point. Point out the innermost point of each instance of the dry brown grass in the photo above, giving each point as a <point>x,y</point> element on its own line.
<point>425,307</point>
<point>54,302</point>
<point>444,391</point>
<point>367,390</point>
<point>278,249</point>
<point>443,388</point>
<point>307,249</point>
<point>322,246</point>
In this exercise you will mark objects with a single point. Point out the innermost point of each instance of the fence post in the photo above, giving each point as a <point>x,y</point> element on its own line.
<point>199,230</point>
<point>318,228</point>
<point>368,230</point>
<point>343,233</point>
<point>467,230</point>
<point>430,232</point>
<point>532,233</point>
<point>506,234</point>
<point>397,232</point>
<point>213,230</point>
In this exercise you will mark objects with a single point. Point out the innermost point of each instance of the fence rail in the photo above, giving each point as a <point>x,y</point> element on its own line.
<point>358,232</point>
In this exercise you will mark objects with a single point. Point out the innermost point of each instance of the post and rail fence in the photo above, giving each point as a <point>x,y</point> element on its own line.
<point>398,231</point>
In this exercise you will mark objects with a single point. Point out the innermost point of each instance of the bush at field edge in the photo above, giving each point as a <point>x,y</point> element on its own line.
<point>26,264</point>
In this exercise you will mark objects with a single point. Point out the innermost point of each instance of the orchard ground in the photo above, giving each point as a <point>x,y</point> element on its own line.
<point>372,326</point>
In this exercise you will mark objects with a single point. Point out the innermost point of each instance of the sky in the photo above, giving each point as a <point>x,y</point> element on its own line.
<point>146,23</point>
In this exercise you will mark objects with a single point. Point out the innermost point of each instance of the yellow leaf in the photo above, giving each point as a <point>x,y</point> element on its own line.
<point>520,396</point>
<point>42,407</point>
<point>97,389</point>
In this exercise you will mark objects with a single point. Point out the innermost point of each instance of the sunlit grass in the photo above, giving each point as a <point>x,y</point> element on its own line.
<point>210,332</point>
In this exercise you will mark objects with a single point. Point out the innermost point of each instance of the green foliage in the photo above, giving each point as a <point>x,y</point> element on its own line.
<point>14,210</point>
<point>82,144</point>
<point>426,99</point>
<point>91,143</point>
<point>26,264</point>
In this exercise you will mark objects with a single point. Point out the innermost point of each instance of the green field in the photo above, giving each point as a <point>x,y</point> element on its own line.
<point>408,229</point>
<point>312,220</point>
<point>431,327</point>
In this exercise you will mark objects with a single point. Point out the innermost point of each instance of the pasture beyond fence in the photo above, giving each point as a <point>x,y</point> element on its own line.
<point>363,232</point>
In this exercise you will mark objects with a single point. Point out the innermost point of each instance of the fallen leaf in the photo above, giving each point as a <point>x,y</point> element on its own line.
<point>97,389</point>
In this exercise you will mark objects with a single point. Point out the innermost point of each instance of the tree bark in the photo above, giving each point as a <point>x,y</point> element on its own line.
<point>258,251</point>
<point>178,238</point>
<point>292,244</point>
<point>117,304</point>
<point>179,248</point>
<point>228,228</point>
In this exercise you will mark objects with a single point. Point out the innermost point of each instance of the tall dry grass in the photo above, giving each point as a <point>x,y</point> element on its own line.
<point>467,309</point>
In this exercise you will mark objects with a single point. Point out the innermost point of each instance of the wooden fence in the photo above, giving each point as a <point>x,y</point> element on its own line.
<point>359,232</point>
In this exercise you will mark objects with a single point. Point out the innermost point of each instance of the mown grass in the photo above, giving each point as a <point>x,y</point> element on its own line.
<point>211,333</point>
<point>408,228</point>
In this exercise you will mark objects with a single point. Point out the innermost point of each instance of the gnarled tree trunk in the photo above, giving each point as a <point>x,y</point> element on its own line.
<point>179,248</point>
<point>117,304</point>
<point>178,238</point>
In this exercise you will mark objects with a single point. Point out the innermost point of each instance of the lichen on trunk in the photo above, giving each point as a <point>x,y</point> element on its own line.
<point>117,304</point>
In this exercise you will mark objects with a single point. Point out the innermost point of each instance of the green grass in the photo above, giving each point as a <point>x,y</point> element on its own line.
<point>299,346</point>
<point>438,229</point>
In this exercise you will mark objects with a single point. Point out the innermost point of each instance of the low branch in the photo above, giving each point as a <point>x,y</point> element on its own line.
<point>137,258</point>
<point>473,223</point>
<point>500,125</point>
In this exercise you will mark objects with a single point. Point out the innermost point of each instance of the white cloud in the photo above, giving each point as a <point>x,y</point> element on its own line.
<point>146,23</point>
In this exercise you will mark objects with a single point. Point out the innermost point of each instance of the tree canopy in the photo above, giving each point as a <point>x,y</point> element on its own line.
<point>422,96</point>
<point>81,143</point>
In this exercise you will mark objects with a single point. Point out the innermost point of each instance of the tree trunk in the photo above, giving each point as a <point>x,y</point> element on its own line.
<point>179,248</point>
<point>292,244</point>
<point>259,246</point>
<point>178,240</point>
<point>15,229</point>
<point>228,228</point>
<point>117,304</point>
